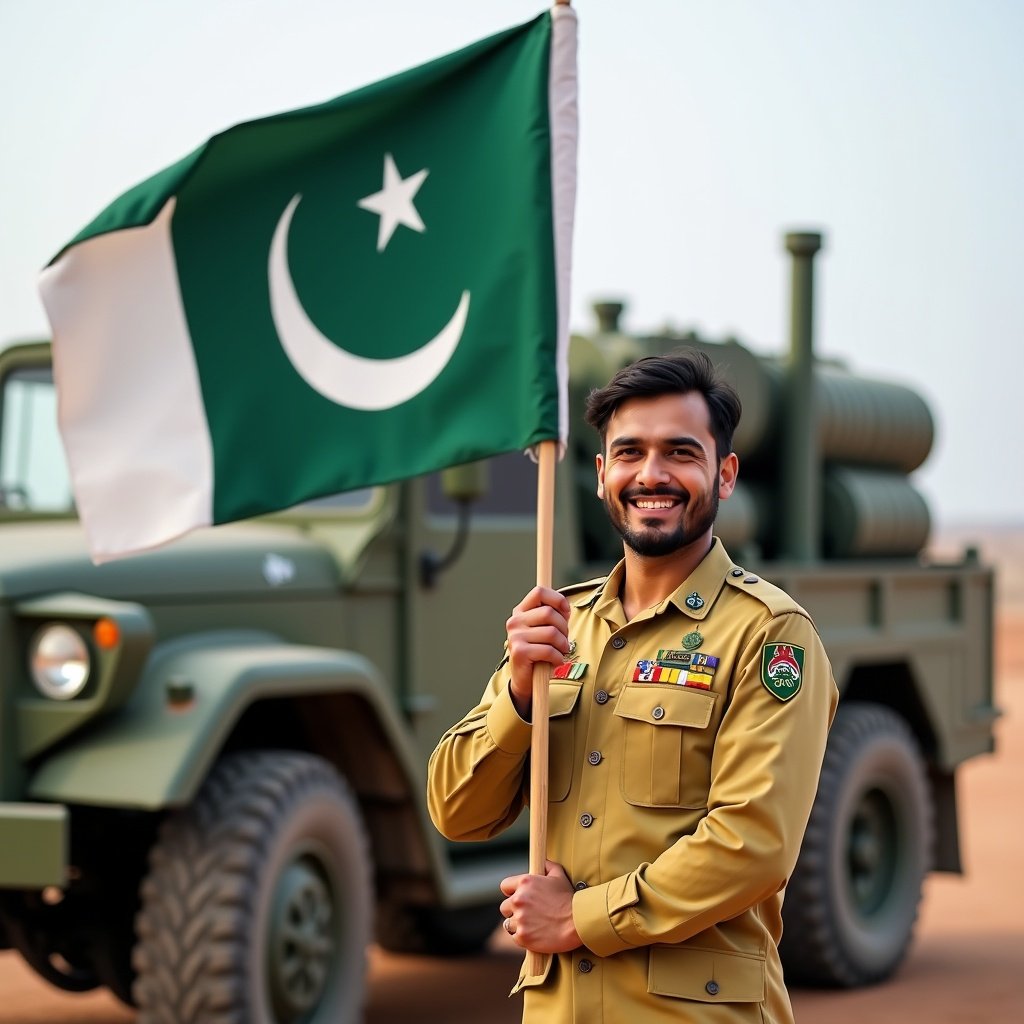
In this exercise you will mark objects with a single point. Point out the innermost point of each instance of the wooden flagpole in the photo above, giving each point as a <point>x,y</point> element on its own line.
<point>546,458</point>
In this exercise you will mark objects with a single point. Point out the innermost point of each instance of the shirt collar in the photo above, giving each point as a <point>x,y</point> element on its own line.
<point>701,588</point>
<point>606,601</point>
<point>703,585</point>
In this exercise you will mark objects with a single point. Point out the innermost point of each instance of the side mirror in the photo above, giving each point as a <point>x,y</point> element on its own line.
<point>464,483</point>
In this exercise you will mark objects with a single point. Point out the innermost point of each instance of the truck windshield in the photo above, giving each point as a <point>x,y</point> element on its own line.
<point>33,471</point>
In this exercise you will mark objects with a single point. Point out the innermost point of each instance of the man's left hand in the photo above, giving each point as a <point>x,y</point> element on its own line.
<point>538,911</point>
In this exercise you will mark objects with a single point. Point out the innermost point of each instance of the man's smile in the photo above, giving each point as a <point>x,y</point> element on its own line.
<point>657,501</point>
<point>648,503</point>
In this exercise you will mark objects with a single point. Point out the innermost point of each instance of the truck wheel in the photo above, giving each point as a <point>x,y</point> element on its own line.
<point>257,908</point>
<point>851,904</point>
<point>456,931</point>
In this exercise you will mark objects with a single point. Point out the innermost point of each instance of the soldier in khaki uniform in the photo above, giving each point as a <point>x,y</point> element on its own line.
<point>690,703</point>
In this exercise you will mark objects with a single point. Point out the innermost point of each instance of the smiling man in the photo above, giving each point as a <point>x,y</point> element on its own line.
<point>690,704</point>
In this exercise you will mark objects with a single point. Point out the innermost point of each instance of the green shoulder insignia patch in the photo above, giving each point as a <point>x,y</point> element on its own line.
<point>782,670</point>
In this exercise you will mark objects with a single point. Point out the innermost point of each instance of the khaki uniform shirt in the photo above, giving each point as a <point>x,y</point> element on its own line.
<point>678,799</point>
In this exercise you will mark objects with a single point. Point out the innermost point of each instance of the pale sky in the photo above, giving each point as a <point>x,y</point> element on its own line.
<point>707,131</point>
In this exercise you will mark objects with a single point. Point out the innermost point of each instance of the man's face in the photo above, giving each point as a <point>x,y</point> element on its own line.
<point>659,476</point>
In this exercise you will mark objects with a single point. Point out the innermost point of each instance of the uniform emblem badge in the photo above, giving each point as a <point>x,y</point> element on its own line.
<point>692,641</point>
<point>695,601</point>
<point>782,670</point>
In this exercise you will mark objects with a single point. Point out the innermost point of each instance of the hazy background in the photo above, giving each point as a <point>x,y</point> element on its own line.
<point>707,130</point>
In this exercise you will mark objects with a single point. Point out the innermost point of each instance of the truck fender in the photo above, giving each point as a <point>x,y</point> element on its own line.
<point>156,751</point>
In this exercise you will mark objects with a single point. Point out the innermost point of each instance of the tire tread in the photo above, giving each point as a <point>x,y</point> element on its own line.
<point>813,950</point>
<point>197,905</point>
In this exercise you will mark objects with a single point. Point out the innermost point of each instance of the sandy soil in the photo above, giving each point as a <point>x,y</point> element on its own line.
<point>966,966</point>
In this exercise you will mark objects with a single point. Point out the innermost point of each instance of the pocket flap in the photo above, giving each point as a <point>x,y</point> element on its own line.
<point>708,976</point>
<point>666,705</point>
<point>562,696</point>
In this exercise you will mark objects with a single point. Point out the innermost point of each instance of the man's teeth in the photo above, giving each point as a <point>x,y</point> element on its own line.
<point>650,503</point>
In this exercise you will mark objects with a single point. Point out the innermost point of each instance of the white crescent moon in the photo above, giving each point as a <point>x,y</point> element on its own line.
<point>342,377</point>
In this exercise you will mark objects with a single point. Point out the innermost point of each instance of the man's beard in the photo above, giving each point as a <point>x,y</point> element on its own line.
<point>653,541</point>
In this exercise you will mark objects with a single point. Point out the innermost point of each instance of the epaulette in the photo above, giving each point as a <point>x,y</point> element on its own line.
<point>595,585</point>
<point>504,658</point>
<point>574,587</point>
<point>777,601</point>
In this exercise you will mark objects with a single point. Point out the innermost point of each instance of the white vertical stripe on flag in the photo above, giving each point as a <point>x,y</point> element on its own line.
<point>130,405</point>
<point>563,120</point>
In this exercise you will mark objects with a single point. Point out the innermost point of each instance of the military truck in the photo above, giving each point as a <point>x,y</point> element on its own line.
<point>212,756</point>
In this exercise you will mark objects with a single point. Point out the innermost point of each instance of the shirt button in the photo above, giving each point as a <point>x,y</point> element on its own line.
<point>736,572</point>
<point>658,713</point>
<point>586,967</point>
<point>618,642</point>
<point>594,757</point>
<point>580,886</point>
<point>601,696</point>
<point>711,988</point>
<point>586,820</point>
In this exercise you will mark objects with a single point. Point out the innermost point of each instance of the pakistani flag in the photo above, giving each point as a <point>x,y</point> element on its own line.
<point>334,297</point>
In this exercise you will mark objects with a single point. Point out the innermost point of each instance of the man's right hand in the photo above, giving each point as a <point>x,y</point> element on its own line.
<point>538,631</point>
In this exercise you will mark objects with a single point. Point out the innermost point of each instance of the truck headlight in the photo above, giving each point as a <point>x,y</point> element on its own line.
<point>59,662</point>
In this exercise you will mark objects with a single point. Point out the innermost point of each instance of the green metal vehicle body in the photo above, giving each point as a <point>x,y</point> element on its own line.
<point>336,638</point>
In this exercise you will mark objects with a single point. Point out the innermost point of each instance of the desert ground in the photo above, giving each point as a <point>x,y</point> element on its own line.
<point>966,965</point>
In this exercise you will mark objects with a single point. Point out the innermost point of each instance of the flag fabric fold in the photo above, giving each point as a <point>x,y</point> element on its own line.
<point>330,298</point>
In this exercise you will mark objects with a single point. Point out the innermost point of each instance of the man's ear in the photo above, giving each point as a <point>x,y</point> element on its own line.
<point>599,459</point>
<point>728,469</point>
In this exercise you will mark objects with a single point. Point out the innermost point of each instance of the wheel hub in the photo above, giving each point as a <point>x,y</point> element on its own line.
<point>873,851</point>
<point>301,941</point>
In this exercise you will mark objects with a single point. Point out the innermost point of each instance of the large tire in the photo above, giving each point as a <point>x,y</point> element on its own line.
<point>458,931</point>
<point>258,904</point>
<point>852,902</point>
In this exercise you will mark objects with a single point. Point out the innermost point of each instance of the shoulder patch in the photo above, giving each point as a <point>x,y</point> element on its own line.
<point>782,670</point>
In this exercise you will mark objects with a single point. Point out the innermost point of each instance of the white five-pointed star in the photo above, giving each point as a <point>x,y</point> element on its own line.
<point>394,202</point>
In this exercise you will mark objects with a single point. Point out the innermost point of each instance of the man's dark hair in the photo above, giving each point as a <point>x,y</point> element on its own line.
<point>676,373</point>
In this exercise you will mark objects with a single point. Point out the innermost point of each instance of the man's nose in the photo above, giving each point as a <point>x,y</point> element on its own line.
<point>653,471</point>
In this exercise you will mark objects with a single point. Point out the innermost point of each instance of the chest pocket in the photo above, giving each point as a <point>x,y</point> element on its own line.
<point>563,696</point>
<point>667,745</point>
